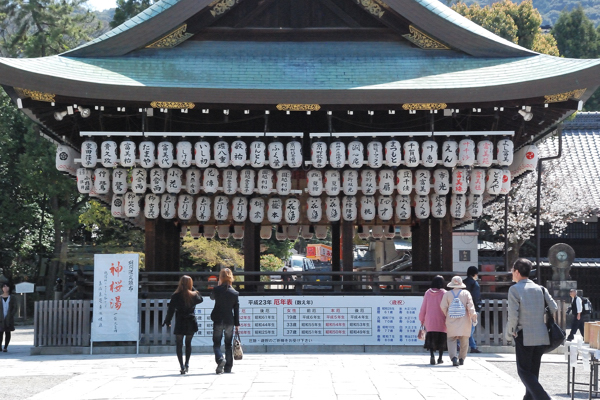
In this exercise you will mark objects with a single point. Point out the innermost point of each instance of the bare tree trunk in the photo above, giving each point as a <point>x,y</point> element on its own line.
<point>513,253</point>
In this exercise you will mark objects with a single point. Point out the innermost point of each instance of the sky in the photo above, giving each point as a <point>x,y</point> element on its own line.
<point>102,4</point>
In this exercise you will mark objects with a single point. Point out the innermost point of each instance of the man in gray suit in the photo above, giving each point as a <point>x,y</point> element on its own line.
<point>526,303</point>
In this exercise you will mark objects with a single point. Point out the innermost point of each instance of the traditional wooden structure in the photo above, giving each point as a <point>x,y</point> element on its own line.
<point>335,78</point>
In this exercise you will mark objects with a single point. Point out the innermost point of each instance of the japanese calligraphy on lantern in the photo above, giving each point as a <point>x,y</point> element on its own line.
<point>115,311</point>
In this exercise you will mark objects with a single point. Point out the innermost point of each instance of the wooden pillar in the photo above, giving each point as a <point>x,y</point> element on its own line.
<point>162,245</point>
<point>336,262</point>
<point>436,244</point>
<point>348,251</point>
<point>420,240</point>
<point>447,253</point>
<point>251,252</point>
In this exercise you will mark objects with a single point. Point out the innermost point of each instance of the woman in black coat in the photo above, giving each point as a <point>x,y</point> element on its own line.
<point>225,316</point>
<point>8,309</point>
<point>183,302</point>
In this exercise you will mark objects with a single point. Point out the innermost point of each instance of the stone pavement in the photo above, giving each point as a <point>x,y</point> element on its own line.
<point>258,376</point>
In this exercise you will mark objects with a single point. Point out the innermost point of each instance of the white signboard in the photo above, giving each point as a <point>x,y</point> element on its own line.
<point>320,320</point>
<point>115,311</point>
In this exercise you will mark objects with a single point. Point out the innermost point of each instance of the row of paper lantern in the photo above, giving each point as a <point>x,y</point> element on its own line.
<point>332,182</point>
<point>276,210</point>
<point>277,154</point>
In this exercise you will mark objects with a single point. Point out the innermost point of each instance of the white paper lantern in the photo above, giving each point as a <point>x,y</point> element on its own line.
<point>350,182</point>
<point>411,153</point>
<point>364,232</point>
<point>151,206</point>
<point>459,181</point>
<point>192,181</point>
<point>117,206</point>
<point>132,205</point>
<point>238,232</point>
<point>377,232</point>
<point>284,182</point>
<point>119,181</point>
<point>247,181</point>
<point>405,231</point>
<point>164,157</point>
<point>314,182</point>
<point>368,181</point>
<point>504,152</point>
<point>441,181</point>
<point>265,181</point>
<point>318,154</point>
<point>84,180</point>
<point>210,180</point>
<point>139,180</point>
<point>257,210</point>
<point>321,232</point>
<point>333,182</point>
<point>108,154</point>
<point>386,182</point>
<point>349,208</point>
<point>475,205</point>
<point>221,154</point>
<point>356,157</point>
<point>306,232</point>
<point>530,160</point>
<point>367,208</point>
<point>202,154</point>
<point>506,182</point>
<point>375,154</point>
<point>127,153</point>
<point>147,153</point>
<point>276,155</point>
<point>185,207</point>
<point>438,205</point>
<point>337,154</point>
<point>292,211</point>
<point>466,152</point>
<point>450,153</point>
<point>184,154</point>
<point>89,154</point>
<point>221,208</point>
<point>403,210</point>
<point>385,208</point>
<point>457,205</point>
<point>393,153</point>
<point>223,232</point>
<point>485,153</point>
<point>158,183</point>
<point>293,231</point>
<point>332,208</point>
<point>239,208</point>
<point>194,231</point>
<point>183,231</point>
<point>422,207</point>
<point>239,154</point>
<point>168,204</point>
<point>174,180</point>
<point>230,181</point>
<point>101,181</point>
<point>258,154</point>
<point>477,184</point>
<point>266,232</point>
<point>294,154</point>
<point>389,232</point>
<point>209,231</point>
<point>274,210</point>
<point>314,209</point>
<point>203,208</point>
<point>404,181</point>
<point>494,181</point>
<point>422,182</point>
<point>429,153</point>
<point>65,159</point>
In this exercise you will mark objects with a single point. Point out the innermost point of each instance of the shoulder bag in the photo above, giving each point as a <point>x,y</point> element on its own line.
<point>555,332</point>
<point>238,353</point>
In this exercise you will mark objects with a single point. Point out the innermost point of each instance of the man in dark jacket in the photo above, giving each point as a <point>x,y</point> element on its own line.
<point>578,316</point>
<point>473,288</point>
<point>225,315</point>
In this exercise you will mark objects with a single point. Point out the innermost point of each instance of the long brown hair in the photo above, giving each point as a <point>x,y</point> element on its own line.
<point>185,288</point>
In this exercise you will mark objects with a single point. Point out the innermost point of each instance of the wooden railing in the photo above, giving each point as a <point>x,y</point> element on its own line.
<point>62,323</point>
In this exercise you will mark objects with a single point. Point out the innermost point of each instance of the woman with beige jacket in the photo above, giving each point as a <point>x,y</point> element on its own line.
<point>457,305</point>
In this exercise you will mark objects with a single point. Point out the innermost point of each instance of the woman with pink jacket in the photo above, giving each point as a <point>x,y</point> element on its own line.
<point>434,320</point>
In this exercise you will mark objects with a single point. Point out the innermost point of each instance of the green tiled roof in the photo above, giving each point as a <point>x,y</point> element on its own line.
<point>301,65</point>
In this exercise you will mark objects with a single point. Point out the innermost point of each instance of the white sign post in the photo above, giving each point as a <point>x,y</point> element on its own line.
<point>115,311</point>
<point>24,288</point>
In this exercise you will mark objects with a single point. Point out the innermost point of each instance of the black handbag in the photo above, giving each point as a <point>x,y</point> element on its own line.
<point>555,332</point>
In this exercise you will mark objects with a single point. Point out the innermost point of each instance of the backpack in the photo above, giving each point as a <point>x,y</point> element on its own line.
<point>457,308</point>
<point>587,306</point>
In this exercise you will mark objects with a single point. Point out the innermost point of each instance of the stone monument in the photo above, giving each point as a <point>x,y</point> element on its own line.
<point>561,256</point>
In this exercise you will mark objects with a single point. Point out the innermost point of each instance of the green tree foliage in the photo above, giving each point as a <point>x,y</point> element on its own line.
<point>212,253</point>
<point>269,262</point>
<point>127,9</point>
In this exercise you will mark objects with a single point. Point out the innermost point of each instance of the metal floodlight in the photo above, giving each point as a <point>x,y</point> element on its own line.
<point>59,115</point>
<point>85,112</point>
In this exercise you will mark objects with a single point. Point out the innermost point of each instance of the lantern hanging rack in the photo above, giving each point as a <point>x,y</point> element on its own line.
<point>392,134</point>
<point>200,134</point>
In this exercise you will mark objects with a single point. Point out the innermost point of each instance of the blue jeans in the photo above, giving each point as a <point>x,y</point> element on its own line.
<point>220,329</point>
<point>472,343</point>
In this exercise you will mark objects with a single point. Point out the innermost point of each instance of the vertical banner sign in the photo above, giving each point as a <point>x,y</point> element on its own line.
<point>321,320</point>
<point>115,311</point>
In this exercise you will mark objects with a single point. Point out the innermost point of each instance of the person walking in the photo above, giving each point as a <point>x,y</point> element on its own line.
<point>434,320</point>
<point>225,316</point>
<point>526,304</point>
<point>8,309</point>
<point>473,287</point>
<point>578,315</point>
<point>182,304</point>
<point>285,278</point>
<point>457,306</point>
